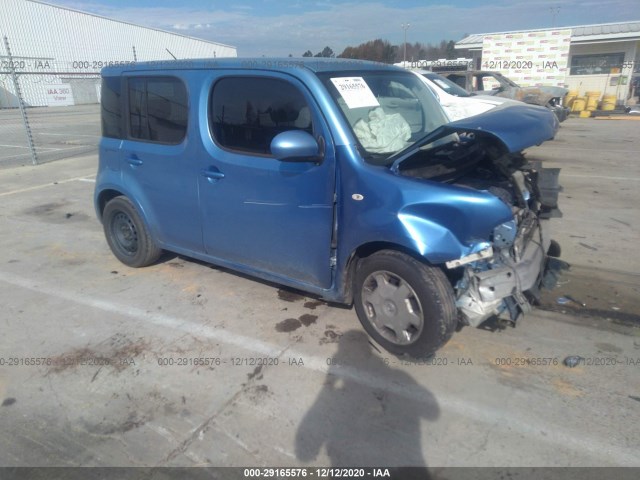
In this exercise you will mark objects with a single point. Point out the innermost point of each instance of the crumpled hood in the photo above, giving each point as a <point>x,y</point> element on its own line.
<point>516,126</point>
<point>534,95</point>
<point>555,91</point>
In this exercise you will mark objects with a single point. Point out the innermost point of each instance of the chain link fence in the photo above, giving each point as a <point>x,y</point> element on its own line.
<point>48,111</point>
<point>50,62</point>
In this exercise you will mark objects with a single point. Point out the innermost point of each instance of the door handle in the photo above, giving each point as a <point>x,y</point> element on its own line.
<point>134,160</point>
<point>213,175</point>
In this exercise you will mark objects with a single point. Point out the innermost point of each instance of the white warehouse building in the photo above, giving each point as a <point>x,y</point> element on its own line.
<point>53,55</point>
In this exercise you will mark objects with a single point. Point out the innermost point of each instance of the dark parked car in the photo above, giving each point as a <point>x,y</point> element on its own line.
<point>343,179</point>
<point>483,82</point>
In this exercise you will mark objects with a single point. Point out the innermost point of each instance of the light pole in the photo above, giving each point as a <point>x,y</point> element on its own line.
<point>405,27</point>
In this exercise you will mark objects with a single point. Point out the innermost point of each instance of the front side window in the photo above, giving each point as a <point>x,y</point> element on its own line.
<point>460,80</point>
<point>487,82</point>
<point>157,109</point>
<point>247,112</point>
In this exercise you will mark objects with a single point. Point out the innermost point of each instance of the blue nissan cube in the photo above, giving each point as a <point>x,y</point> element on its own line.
<point>340,178</point>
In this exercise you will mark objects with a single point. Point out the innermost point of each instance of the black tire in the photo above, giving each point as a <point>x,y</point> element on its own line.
<point>127,235</point>
<point>554,249</point>
<point>412,293</point>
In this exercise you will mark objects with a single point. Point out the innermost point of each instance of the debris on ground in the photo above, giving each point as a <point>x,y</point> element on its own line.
<point>573,361</point>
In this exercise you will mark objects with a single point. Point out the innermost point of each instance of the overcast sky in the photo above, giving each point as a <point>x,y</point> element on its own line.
<point>278,28</point>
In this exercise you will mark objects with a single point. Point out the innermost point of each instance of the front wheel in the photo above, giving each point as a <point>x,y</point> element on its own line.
<point>406,306</point>
<point>127,235</point>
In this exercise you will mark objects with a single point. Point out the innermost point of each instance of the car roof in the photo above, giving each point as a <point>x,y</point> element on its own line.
<point>313,64</point>
<point>431,74</point>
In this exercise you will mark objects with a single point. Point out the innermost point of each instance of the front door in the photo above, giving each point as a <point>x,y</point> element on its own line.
<point>261,213</point>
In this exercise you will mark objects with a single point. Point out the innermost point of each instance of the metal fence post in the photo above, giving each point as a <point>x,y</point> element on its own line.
<point>23,109</point>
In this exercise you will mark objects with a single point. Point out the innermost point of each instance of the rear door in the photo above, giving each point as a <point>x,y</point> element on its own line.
<point>259,212</point>
<point>158,164</point>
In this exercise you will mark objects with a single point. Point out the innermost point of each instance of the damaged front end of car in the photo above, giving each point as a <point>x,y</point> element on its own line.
<point>501,275</point>
<point>504,282</point>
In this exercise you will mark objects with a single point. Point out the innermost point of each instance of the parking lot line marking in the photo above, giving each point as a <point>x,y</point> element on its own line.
<point>37,148</point>
<point>618,117</point>
<point>69,135</point>
<point>14,146</point>
<point>584,149</point>
<point>633,179</point>
<point>241,341</point>
<point>37,187</point>
<point>90,180</point>
<point>541,431</point>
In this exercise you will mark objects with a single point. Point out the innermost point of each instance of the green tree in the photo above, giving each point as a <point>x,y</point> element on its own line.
<point>382,51</point>
<point>327,53</point>
<point>451,50</point>
<point>376,50</point>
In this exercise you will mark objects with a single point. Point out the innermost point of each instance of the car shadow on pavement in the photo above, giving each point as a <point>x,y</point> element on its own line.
<point>368,414</point>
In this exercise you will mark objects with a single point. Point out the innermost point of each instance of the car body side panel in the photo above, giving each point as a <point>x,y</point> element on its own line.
<point>439,222</point>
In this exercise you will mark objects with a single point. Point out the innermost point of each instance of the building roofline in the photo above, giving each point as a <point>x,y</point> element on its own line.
<point>569,27</point>
<point>129,23</point>
<point>549,28</point>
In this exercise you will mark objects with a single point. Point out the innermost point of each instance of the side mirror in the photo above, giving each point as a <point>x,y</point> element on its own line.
<point>296,146</point>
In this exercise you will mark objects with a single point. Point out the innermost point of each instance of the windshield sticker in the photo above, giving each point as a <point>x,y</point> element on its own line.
<point>355,92</point>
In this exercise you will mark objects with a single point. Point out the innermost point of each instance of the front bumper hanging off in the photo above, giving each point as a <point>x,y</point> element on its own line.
<point>496,286</point>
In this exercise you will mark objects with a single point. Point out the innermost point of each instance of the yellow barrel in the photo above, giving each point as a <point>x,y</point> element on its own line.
<point>592,104</point>
<point>609,102</point>
<point>585,114</point>
<point>578,104</point>
<point>568,100</point>
<point>594,93</point>
<point>592,101</point>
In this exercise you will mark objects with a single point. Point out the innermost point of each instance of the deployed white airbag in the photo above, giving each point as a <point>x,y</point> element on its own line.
<point>383,133</point>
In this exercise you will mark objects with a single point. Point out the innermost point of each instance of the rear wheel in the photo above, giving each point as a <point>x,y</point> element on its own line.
<point>127,235</point>
<point>406,306</point>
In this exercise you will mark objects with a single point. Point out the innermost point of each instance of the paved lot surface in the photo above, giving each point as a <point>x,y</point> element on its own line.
<point>57,132</point>
<point>184,364</point>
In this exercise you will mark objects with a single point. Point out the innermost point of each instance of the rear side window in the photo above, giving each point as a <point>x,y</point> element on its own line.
<point>158,109</point>
<point>111,110</point>
<point>247,112</point>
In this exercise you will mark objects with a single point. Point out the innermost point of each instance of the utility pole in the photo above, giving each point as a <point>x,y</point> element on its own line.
<point>405,27</point>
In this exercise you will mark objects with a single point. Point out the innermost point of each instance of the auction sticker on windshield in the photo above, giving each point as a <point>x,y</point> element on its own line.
<point>355,92</point>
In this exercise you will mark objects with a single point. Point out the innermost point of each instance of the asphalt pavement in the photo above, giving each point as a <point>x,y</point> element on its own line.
<point>187,364</point>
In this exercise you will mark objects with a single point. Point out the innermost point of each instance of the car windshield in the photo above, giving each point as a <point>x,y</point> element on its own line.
<point>387,111</point>
<point>501,78</point>
<point>447,85</point>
